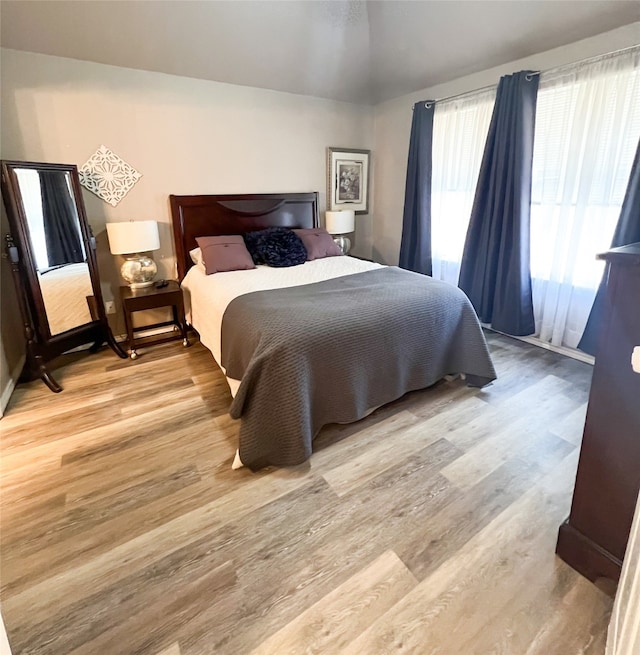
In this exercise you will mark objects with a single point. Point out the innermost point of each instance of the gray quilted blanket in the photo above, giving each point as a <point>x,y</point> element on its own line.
<point>329,351</point>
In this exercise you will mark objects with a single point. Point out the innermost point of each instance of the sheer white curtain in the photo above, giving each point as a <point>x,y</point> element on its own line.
<point>587,129</point>
<point>460,130</point>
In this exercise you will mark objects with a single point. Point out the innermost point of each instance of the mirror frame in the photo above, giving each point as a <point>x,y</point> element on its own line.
<point>41,345</point>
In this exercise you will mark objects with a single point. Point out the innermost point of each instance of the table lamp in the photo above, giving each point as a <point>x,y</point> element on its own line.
<point>132,239</point>
<point>339,223</point>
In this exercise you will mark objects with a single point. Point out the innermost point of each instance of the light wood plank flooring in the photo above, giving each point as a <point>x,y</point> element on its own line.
<point>428,528</point>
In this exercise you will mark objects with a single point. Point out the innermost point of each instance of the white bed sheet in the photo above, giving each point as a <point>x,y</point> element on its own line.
<point>207,296</point>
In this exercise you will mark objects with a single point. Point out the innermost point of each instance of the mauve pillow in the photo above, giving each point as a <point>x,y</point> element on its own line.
<point>276,246</point>
<point>318,243</point>
<point>224,253</point>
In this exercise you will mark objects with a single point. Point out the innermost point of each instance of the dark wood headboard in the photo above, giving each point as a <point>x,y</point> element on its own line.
<point>205,216</point>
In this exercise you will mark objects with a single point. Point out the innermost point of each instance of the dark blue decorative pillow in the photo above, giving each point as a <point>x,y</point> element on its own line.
<point>251,241</point>
<point>276,246</point>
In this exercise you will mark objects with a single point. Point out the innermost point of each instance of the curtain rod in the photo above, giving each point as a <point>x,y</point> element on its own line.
<point>557,69</point>
<point>588,60</point>
<point>427,103</point>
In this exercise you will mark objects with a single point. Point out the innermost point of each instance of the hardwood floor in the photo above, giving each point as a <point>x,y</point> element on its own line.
<point>429,527</point>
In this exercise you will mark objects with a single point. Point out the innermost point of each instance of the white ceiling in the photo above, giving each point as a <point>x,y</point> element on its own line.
<point>355,51</point>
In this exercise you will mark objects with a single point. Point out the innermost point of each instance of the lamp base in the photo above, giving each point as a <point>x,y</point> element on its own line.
<point>139,271</point>
<point>344,243</point>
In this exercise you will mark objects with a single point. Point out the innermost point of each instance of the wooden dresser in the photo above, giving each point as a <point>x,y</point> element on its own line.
<point>593,539</point>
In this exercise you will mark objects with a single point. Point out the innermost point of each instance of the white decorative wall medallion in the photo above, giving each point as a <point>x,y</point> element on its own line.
<point>108,176</point>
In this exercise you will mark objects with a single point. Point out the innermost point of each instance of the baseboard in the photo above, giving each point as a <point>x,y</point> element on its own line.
<point>11,385</point>
<point>588,558</point>
<point>574,353</point>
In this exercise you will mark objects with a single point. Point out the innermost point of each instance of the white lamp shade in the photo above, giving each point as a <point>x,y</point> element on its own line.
<point>340,222</point>
<point>133,236</point>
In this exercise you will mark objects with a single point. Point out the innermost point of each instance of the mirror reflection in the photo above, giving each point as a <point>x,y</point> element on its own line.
<point>57,246</point>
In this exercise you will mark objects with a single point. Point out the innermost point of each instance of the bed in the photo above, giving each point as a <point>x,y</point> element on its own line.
<point>322,342</point>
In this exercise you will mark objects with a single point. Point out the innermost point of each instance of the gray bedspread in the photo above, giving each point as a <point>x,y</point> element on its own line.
<point>329,351</point>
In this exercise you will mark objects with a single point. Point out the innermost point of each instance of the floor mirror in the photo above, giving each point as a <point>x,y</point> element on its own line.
<point>51,250</point>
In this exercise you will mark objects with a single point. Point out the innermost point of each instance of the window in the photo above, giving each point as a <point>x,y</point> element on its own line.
<point>587,130</point>
<point>460,129</point>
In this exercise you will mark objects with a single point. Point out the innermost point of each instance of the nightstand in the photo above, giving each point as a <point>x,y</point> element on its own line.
<point>137,300</point>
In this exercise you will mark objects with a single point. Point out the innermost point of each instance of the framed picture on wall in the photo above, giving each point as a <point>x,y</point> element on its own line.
<point>348,179</point>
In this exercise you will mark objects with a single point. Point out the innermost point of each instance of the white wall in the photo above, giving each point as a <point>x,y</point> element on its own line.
<point>184,135</point>
<point>393,125</point>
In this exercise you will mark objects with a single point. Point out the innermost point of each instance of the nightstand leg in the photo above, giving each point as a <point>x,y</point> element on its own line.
<point>128,321</point>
